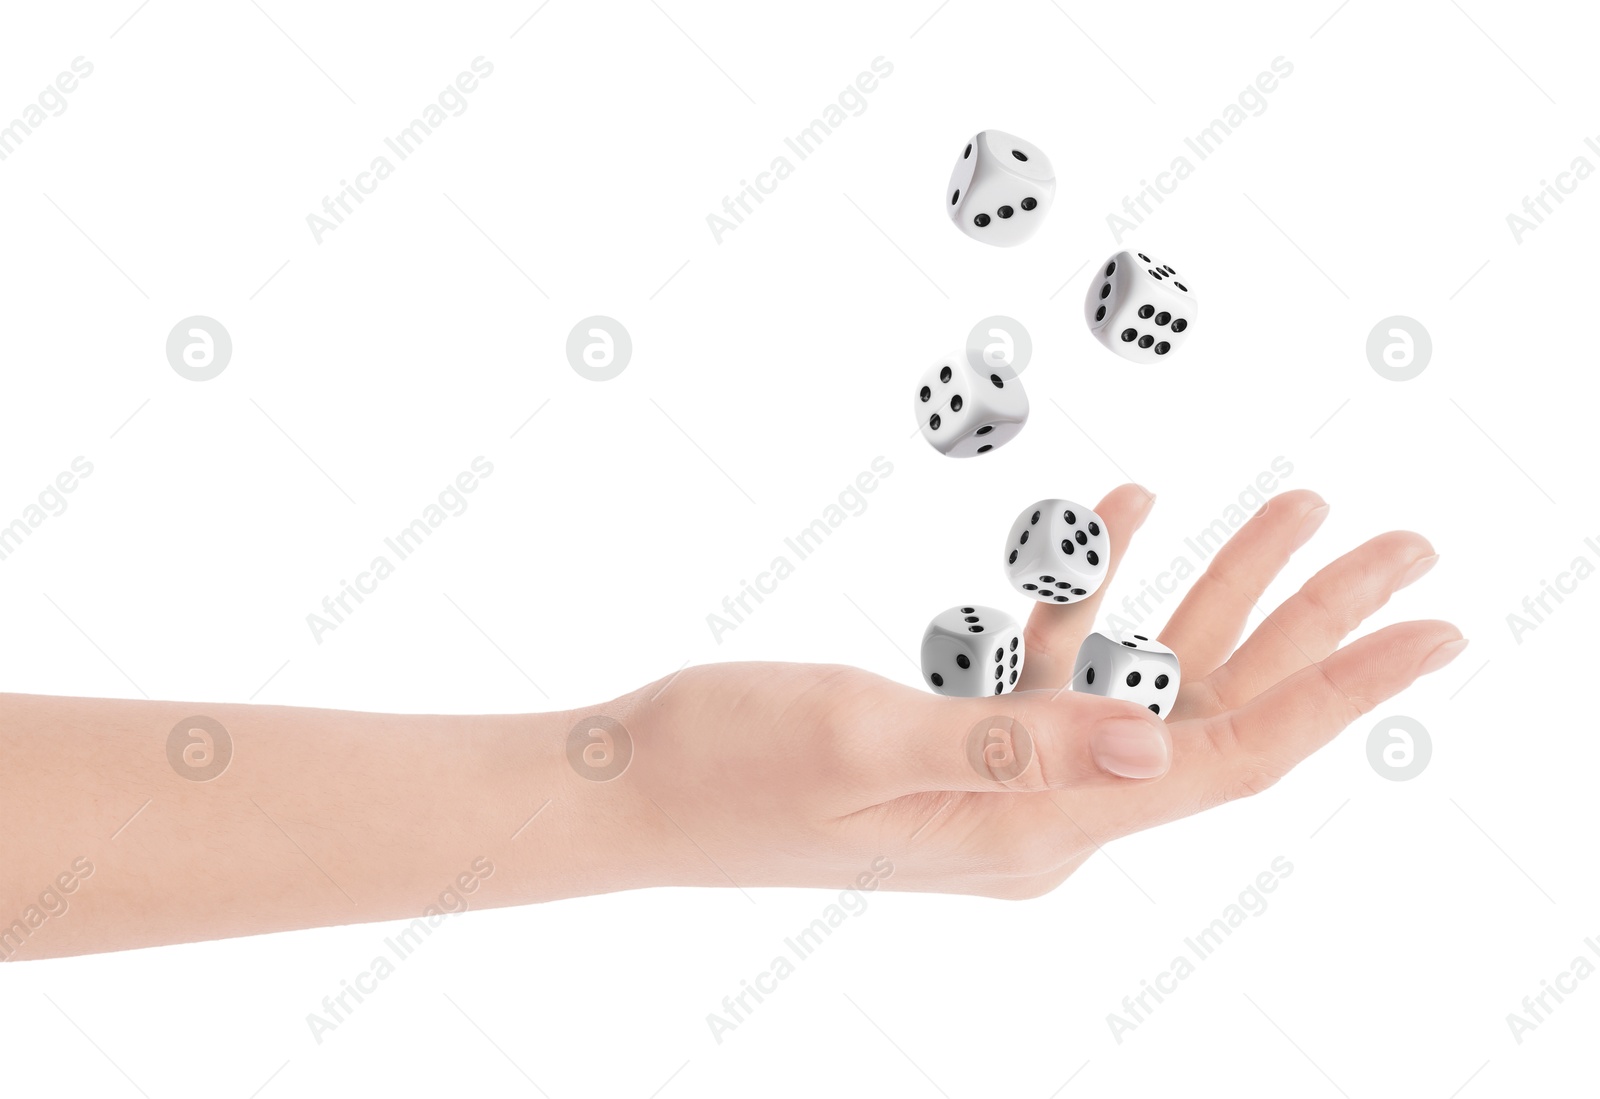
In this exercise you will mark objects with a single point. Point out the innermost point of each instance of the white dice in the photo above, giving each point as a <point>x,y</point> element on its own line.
<point>1057,552</point>
<point>1139,308</point>
<point>1128,666</point>
<point>972,651</point>
<point>1001,189</point>
<point>962,410</point>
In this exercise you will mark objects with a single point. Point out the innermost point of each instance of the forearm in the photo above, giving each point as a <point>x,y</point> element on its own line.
<point>319,817</point>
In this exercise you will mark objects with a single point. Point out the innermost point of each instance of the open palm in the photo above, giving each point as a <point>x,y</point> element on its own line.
<point>790,774</point>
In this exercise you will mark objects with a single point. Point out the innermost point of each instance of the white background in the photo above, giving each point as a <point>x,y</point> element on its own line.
<point>768,371</point>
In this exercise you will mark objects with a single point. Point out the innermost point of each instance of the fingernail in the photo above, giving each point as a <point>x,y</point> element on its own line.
<point>1149,502</point>
<point>1309,525</point>
<point>1131,748</point>
<point>1419,568</point>
<point>1442,655</point>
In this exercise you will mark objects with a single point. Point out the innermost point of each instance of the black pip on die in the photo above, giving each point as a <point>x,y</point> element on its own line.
<point>972,651</point>
<point>1057,552</point>
<point>1139,308</point>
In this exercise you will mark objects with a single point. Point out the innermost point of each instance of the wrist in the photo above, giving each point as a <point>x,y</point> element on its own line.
<point>570,820</point>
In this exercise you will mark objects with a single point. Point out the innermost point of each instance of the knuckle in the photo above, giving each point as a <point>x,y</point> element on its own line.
<point>1354,707</point>
<point>1212,692</point>
<point>1249,777</point>
<point>1042,642</point>
<point>1346,705</point>
<point>1225,575</point>
<point>1320,600</point>
<point>1222,735</point>
<point>1245,771</point>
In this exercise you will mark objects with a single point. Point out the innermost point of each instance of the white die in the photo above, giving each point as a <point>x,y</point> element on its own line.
<point>1001,189</point>
<point>963,411</point>
<point>972,651</point>
<point>1139,308</point>
<point>1057,552</point>
<point>1129,666</point>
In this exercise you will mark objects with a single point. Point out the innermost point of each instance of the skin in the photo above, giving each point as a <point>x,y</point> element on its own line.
<point>740,774</point>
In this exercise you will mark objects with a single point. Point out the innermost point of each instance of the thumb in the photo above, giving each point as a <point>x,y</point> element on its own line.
<point>1034,741</point>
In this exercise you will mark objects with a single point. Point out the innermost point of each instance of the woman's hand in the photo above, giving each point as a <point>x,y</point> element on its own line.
<point>784,774</point>
<point>738,774</point>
